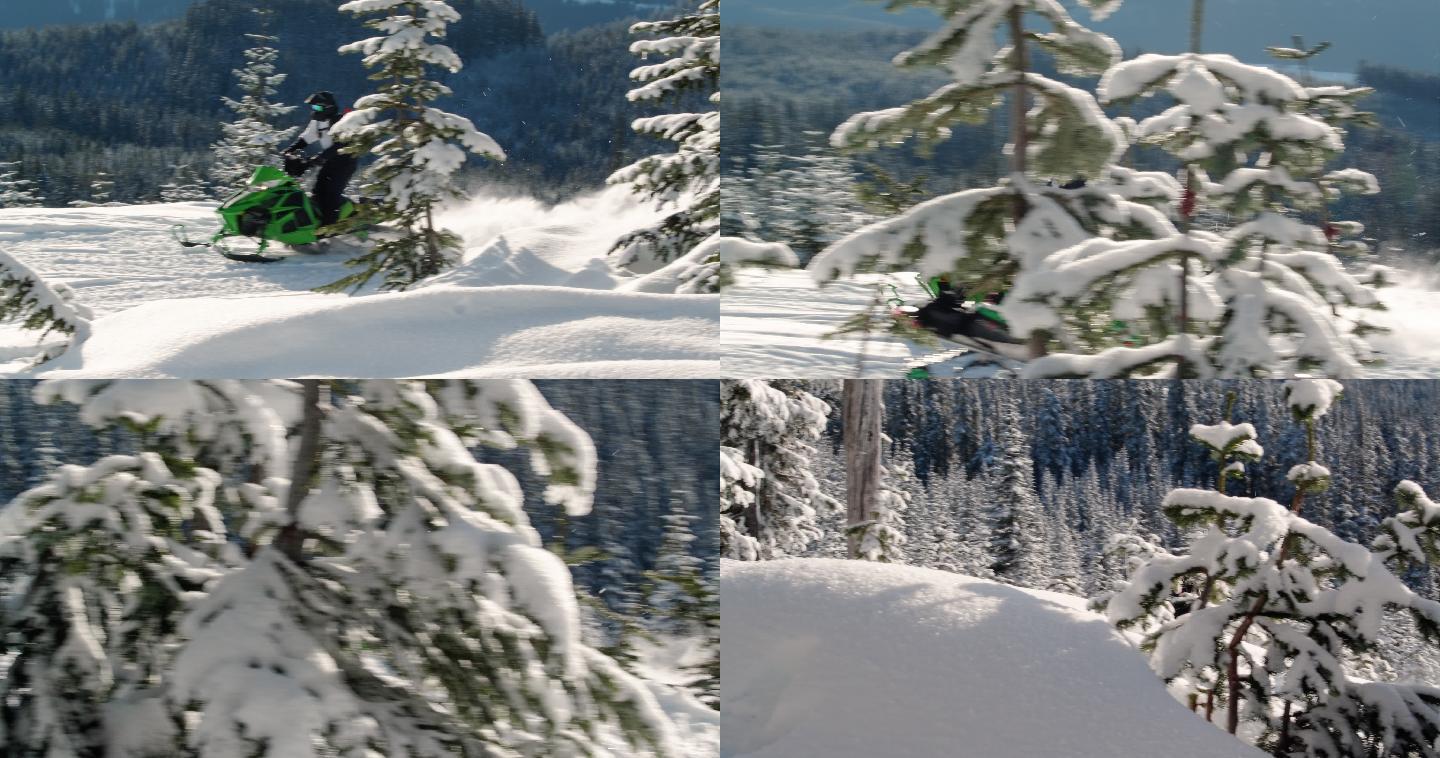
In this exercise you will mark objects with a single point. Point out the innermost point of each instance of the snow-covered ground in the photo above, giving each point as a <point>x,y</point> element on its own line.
<point>772,321</point>
<point>849,659</point>
<point>662,662</point>
<point>535,296</point>
<point>1412,348</point>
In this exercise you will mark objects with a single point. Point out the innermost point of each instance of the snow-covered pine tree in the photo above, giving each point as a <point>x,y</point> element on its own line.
<point>690,44</point>
<point>1065,573</point>
<point>1264,611</point>
<point>770,495</point>
<point>97,567</point>
<point>972,521</point>
<point>814,202</point>
<point>417,147</point>
<point>750,195</point>
<point>1266,297</point>
<point>1019,544</point>
<point>984,237</point>
<point>397,602</point>
<point>186,186</point>
<point>16,192</point>
<point>674,580</point>
<point>1336,106</point>
<point>1128,548</point>
<point>252,139</point>
<point>41,306</point>
<point>683,602</point>
<point>102,193</point>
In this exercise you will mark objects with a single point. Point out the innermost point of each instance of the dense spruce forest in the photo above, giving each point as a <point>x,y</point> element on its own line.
<point>787,89</point>
<point>135,101</point>
<point>1098,453</point>
<point>655,441</point>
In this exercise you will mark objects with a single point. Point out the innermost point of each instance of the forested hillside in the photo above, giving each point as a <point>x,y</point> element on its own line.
<point>136,100</point>
<point>1098,453</point>
<point>791,88</point>
<point>22,13</point>
<point>554,15</point>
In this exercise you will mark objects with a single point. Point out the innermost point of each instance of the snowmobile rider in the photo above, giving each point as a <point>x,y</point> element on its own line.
<point>336,168</point>
<point>945,315</point>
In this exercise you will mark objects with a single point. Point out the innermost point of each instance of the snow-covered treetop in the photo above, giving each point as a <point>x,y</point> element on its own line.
<point>690,45</point>
<point>405,35</point>
<point>231,419</point>
<point>1410,533</point>
<point>1310,399</point>
<point>1223,108</point>
<point>1069,135</point>
<point>1229,440</point>
<point>770,413</point>
<point>688,178</point>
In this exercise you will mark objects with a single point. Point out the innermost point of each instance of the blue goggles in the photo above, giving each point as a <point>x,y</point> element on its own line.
<point>319,108</point>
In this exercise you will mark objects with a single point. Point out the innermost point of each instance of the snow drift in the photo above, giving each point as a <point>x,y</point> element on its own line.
<point>849,659</point>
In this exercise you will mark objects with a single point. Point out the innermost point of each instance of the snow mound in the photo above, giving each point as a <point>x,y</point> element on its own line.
<point>474,332</point>
<point>842,659</point>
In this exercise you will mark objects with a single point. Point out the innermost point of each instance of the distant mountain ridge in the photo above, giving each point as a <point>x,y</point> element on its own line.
<point>1393,32</point>
<point>16,14</point>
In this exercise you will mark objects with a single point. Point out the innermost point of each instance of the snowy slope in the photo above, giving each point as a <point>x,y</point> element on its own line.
<point>847,659</point>
<point>1412,348</point>
<point>772,321</point>
<point>535,296</point>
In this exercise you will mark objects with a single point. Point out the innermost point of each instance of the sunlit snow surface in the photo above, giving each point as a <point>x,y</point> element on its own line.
<point>535,296</point>
<point>850,659</point>
<point>773,320</point>
<point>1412,349</point>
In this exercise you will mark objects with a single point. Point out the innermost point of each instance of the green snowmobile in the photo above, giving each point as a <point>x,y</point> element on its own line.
<point>271,208</point>
<point>974,326</point>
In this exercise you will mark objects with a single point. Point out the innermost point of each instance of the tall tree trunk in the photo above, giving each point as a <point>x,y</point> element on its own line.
<point>1020,135</point>
<point>1197,25</point>
<point>290,541</point>
<point>1019,105</point>
<point>861,412</point>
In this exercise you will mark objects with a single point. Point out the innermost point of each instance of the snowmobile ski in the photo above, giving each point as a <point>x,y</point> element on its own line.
<point>218,245</point>
<point>921,367</point>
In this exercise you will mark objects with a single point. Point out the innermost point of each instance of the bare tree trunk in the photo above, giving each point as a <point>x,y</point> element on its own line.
<point>752,511</point>
<point>1197,25</point>
<point>1019,136</point>
<point>432,246</point>
<point>861,412</point>
<point>290,540</point>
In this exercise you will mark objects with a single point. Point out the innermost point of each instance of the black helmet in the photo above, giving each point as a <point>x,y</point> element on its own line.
<point>323,106</point>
